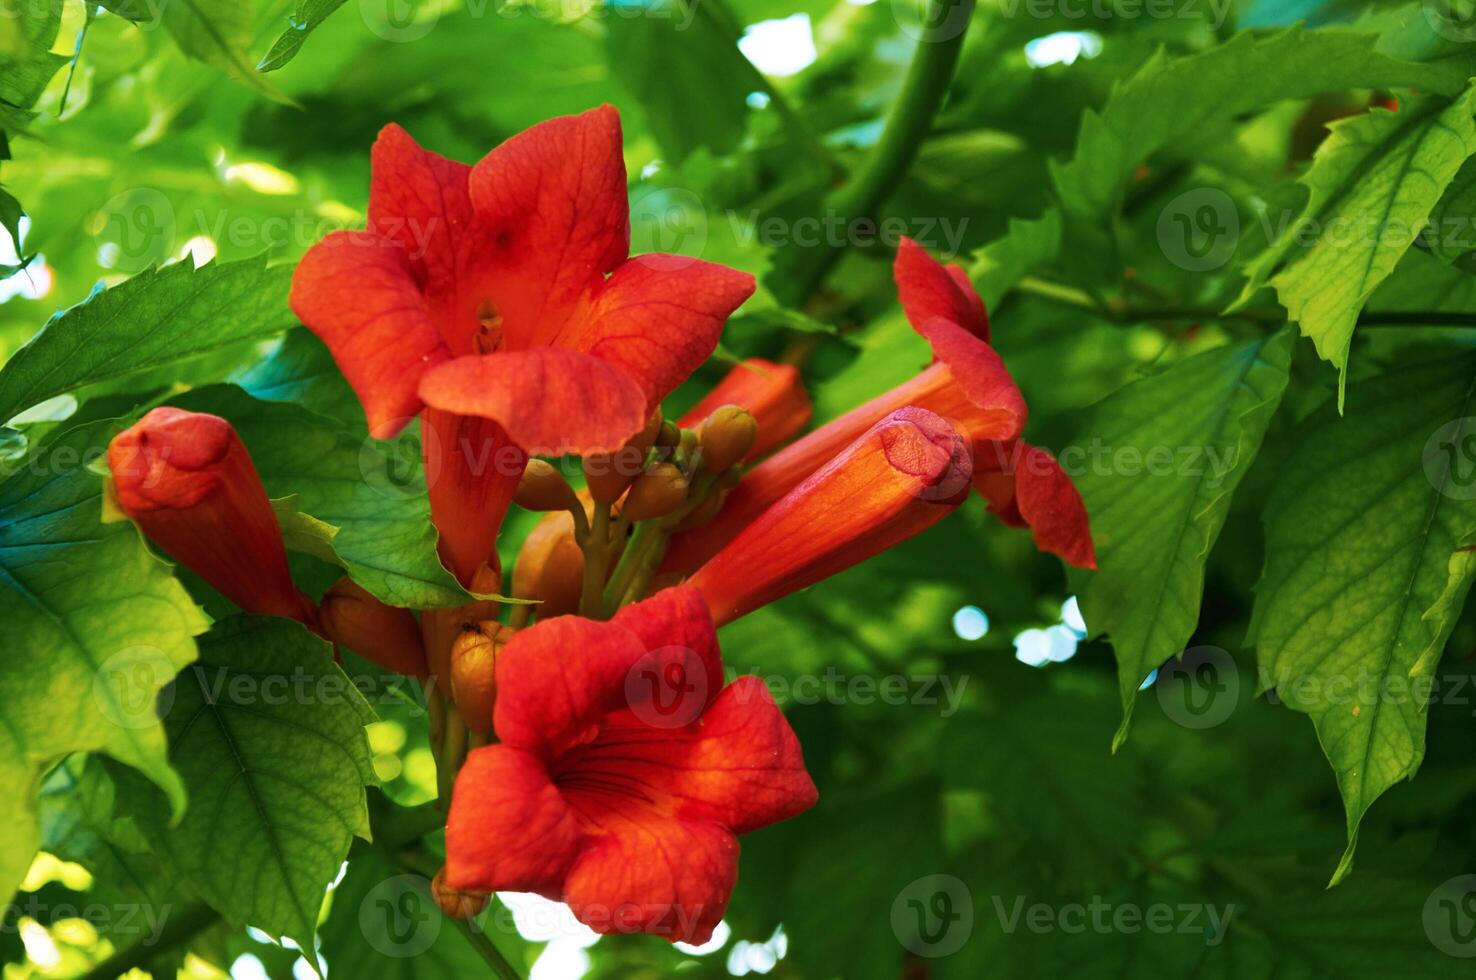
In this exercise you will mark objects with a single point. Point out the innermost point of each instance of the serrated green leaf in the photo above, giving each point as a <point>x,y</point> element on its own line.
<point>1028,245</point>
<point>306,16</point>
<point>1371,188</point>
<point>1155,523</point>
<point>28,29</point>
<point>268,735</point>
<point>219,33</point>
<point>1452,228</point>
<point>95,626</point>
<point>1363,575</point>
<point>378,505</point>
<point>1172,97</point>
<point>155,318</point>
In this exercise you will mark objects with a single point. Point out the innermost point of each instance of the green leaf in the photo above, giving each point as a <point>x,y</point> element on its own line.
<point>1163,458</point>
<point>302,370</point>
<point>95,626</point>
<point>306,16</point>
<point>1452,229</point>
<point>1364,577</point>
<point>219,33</point>
<point>1391,167</point>
<point>376,502</point>
<point>1171,98</point>
<point>687,72</point>
<point>268,735</point>
<point>28,29</point>
<point>155,318</point>
<point>1027,245</point>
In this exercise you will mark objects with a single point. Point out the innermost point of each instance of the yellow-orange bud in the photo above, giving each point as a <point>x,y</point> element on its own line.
<point>550,567</point>
<point>473,673</point>
<point>726,438</point>
<point>608,475</point>
<point>543,488</point>
<point>659,491</point>
<point>439,627</point>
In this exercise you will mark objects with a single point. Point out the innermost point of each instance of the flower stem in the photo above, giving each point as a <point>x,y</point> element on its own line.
<point>596,545</point>
<point>908,123</point>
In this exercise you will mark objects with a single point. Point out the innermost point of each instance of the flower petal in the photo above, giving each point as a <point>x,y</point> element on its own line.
<point>992,406</point>
<point>508,829</point>
<point>558,678</point>
<point>678,617</point>
<point>419,199</point>
<point>929,290</point>
<point>1026,485</point>
<point>651,874</point>
<point>554,200</point>
<point>357,292</point>
<point>550,400</point>
<point>659,317</point>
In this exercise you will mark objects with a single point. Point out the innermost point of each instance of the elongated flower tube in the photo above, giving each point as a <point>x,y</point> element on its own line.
<point>773,394</point>
<point>902,476</point>
<point>504,292</point>
<point>967,384</point>
<point>624,771</point>
<point>188,482</point>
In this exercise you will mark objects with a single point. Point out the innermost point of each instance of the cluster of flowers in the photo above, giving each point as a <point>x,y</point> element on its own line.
<point>608,766</point>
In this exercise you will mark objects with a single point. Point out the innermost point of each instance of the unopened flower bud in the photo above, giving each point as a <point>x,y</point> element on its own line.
<point>186,480</point>
<point>772,393</point>
<point>456,903</point>
<point>607,476</point>
<point>710,507</point>
<point>550,567</point>
<point>473,675</point>
<point>726,437</point>
<point>543,488</point>
<point>669,436</point>
<point>439,627</point>
<point>659,491</point>
<point>385,635</point>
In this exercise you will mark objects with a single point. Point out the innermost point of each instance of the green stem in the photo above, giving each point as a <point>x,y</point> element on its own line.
<point>908,122</point>
<point>620,579</point>
<point>453,753</point>
<point>596,545</point>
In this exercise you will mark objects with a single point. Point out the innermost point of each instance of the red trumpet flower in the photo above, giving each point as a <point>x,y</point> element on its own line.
<point>905,474</point>
<point>967,384</point>
<point>772,393</point>
<point>504,292</point>
<point>187,481</point>
<point>623,772</point>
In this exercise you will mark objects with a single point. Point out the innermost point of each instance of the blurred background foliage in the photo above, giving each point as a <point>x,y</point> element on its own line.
<point>138,154</point>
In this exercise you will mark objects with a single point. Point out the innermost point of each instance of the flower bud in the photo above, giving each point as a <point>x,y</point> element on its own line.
<point>659,491</point>
<point>439,627</point>
<point>473,677</point>
<point>608,475</point>
<point>550,567</point>
<point>772,393</point>
<point>543,488</point>
<point>726,438</point>
<point>456,903</point>
<point>352,617</point>
<point>187,481</point>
